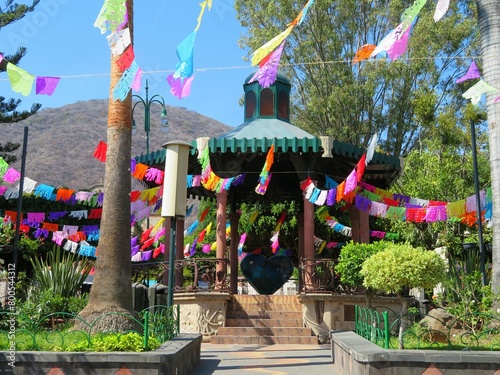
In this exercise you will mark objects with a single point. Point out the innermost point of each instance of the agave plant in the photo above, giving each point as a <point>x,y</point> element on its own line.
<point>62,272</point>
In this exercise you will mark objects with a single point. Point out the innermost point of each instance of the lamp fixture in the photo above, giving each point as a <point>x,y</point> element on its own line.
<point>164,121</point>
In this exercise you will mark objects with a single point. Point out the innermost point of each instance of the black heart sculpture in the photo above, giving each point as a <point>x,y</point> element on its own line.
<point>266,275</point>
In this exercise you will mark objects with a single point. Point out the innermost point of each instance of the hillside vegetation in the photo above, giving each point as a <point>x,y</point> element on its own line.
<point>62,141</point>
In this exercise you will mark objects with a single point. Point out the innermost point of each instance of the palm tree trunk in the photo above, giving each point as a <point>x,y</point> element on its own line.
<point>111,290</point>
<point>489,27</point>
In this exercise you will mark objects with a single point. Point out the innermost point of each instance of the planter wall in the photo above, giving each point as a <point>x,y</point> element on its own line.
<point>178,356</point>
<point>354,355</point>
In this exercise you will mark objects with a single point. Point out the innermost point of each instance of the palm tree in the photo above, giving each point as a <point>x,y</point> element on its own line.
<point>489,27</point>
<point>111,290</point>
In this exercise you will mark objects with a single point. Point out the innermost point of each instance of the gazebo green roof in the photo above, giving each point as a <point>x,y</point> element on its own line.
<point>261,128</point>
<point>298,154</point>
<point>233,145</point>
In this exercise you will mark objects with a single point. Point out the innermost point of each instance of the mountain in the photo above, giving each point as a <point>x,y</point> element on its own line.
<point>62,141</point>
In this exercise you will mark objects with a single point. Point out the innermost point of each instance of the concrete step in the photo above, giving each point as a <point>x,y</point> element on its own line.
<point>264,322</point>
<point>248,298</point>
<point>264,307</point>
<point>264,331</point>
<point>265,340</point>
<point>239,314</point>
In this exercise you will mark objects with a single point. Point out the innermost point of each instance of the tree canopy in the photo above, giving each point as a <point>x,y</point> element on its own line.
<point>400,100</point>
<point>9,14</point>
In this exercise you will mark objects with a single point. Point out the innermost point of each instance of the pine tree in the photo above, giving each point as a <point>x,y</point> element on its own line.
<point>11,13</point>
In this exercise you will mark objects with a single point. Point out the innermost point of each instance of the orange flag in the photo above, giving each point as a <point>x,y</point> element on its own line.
<point>363,53</point>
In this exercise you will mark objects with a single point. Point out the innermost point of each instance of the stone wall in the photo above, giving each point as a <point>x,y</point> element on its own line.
<point>354,355</point>
<point>202,312</point>
<point>178,356</point>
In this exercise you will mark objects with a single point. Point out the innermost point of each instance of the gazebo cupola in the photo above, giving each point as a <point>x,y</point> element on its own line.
<point>271,102</point>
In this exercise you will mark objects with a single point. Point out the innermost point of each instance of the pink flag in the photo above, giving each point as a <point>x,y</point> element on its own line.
<point>399,46</point>
<point>472,73</point>
<point>136,85</point>
<point>46,85</point>
<point>266,75</point>
<point>180,87</point>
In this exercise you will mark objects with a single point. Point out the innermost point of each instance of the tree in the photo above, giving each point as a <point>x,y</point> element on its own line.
<point>9,14</point>
<point>400,100</point>
<point>111,289</point>
<point>489,26</point>
<point>400,266</point>
<point>351,259</point>
<point>6,152</point>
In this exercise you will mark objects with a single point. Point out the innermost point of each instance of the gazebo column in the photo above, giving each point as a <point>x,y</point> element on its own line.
<point>234,219</point>
<point>308,271</point>
<point>221,267</point>
<point>179,250</point>
<point>360,225</point>
<point>300,245</point>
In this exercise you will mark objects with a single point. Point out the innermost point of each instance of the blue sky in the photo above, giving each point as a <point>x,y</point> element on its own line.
<point>62,42</point>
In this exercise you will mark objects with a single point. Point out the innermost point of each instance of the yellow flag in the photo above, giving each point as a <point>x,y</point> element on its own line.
<point>253,217</point>
<point>209,228</point>
<point>158,225</point>
<point>203,6</point>
<point>20,80</point>
<point>270,46</point>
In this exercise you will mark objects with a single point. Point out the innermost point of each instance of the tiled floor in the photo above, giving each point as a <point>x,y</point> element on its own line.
<point>267,359</point>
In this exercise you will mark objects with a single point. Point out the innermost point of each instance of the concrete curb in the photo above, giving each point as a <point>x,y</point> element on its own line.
<point>175,357</point>
<point>354,355</point>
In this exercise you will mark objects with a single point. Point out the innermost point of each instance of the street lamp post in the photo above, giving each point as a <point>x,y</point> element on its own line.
<point>147,102</point>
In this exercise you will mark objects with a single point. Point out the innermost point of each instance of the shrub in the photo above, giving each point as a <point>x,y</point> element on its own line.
<point>400,266</point>
<point>63,273</point>
<point>127,342</point>
<point>351,258</point>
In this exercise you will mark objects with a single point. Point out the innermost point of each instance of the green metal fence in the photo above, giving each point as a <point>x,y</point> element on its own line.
<point>60,331</point>
<point>372,325</point>
<point>439,331</point>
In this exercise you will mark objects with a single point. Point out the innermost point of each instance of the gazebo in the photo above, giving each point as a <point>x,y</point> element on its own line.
<point>236,160</point>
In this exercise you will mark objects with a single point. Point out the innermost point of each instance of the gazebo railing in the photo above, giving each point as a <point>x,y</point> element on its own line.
<point>211,275</point>
<point>193,274</point>
<point>318,276</point>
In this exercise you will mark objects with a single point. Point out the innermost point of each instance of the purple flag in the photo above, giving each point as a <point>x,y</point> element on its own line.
<point>472,73</point>
<point>46,85</point>
<point>266,75</point>
<point>399,46</point>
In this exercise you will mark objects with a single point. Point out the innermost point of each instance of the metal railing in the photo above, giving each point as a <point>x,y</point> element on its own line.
<point>477,331</point>
<point>193,274</point>
<point>210,275</point>
<point>319,276</point>
<point>62,331</point>
<point>372,325</point>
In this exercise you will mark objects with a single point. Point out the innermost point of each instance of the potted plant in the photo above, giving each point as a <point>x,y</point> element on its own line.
<point>7,234</point>
<point>487,238</point>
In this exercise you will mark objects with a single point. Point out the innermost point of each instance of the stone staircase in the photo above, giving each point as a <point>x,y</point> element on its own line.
<point>264,320</point>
